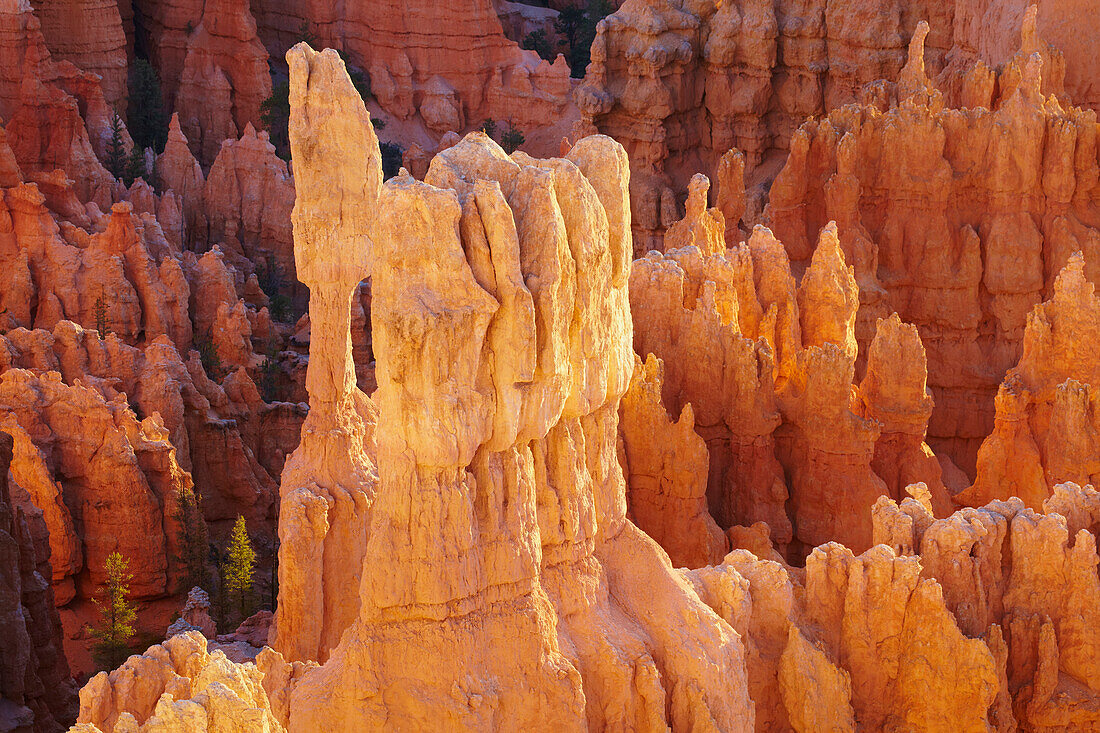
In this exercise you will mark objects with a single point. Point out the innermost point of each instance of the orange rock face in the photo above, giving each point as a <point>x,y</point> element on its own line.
<point>35,690</point>
<point>449,64</point>
<point>968,213</point>
<point>249,194</point>
<point>40,104</point>
<point>212,66</point>
<point>978,621</point>
<point>120,506</point>
<point>478,505</point>
<point>110,425</point>
<point>224,78</point>
<point>525,470</point>
<point>666,466</point>
<point>680,84</point>
<point>90,34</point>
<point>329,482</point>
<point>768,369</point>
<point>1046,431</point>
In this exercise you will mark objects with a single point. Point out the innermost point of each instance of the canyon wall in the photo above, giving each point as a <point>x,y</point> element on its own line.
<point>680,84</point>
<point>931,629</point>
<point>449,64</point>
<point>1045,426</point>
<point>961,219</point>
<point>36,693</point>
<point>128,363</point>
<point>767,369</point>
<point>90,34</point>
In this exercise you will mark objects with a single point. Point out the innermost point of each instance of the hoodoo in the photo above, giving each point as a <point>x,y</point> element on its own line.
<point>581,365</point>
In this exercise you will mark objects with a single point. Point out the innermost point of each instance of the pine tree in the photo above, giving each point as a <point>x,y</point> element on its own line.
<point>578,26</point>
<point>135,166</point>
<point>538,42</point>
<point>238,568</point>
<point>193,537</point>
<point>208,355</point>
<point>146,117</point>
<point>511,139</point>
<point>116,148</point>
<point>307,36</point>
<point>117,615</point>
<point>101,322</point>
<point>275,116</point>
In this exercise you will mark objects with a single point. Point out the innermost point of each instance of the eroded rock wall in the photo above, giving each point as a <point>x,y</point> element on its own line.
<point>36,693</point>
<point>521,471</point>
<point>964,216</point>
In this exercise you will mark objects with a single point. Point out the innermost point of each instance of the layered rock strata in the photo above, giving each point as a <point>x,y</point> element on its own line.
<point>767,368</point>
<point>523,478</point>
<point>36,693</point>
<point>90,34</point>
<point>500,583</point>
<point>448,65</point>
<point>681,83</point>
<point>330,481</point>
<point>1046,429</point>
<point>963,218</point>
<point>982,620</point>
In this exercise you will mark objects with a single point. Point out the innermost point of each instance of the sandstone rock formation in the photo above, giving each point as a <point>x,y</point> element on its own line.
<point>195,616</point>
<point>526,460</point>
<point>681,83</point>
<point>982,620</point>
<point>177,170</point>
<point>177,685</point>
<point>991,32</point>
<point>329,482</point>
<point>479,500</point>
<point>35,691</point>
<point>224,77</point>
<point>90,34</point>
<point>963,218</point>
<point>768,371</point>
<point>120,489</point>
<point>665,465</point>
<point>1046,430</point>
<point>249,195</point>
<point>154,420</point>
<point>41,104</point>
<point>212,66</point>
<point>449,64</point>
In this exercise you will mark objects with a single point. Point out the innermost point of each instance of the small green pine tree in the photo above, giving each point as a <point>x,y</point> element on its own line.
<point>306,35</point>
<point>208,355</point>
<point>489,127</point>
<point>538,42</point>
<point>392,158</point>
<point>145,115</point>
<point>511,139</point>
<point>117,615</point>
<point>238,567</point>
<point>275,116</point>
<point>135,166</point>
<point>116,148</point>
<point>102,325</point>
<point>577,26</point>
<point>193,537</point>
<point>269,376</point>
